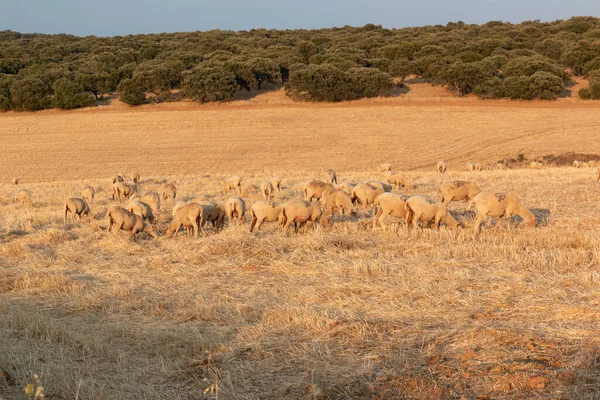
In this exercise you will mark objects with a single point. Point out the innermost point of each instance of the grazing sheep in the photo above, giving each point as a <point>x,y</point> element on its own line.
<point>470,166</point>
<point>76,206</point>
<point>419,208</point>
<point>87,193</point>
<point>315,189</point>
<point>382,185</point>
<point>276,182</point>
<point>577,164</point>
<point>299,212</point>
<point>499,205</point>
<point>263,211</point>
<point>122,219</point>
<point>458,191</point>
<point>385,167</point>
<point>178,205</point>
<point>347,185</point>
<point>331,176</point>
<point>213,212</point>
<point>336,198</point>
<point>117,178</point>
<point>168,191</point>
<point>15,180</point>
<point>442,166</point>
<point>501,166</point>
<point>23,196</point>
<point>593,163</point>
<point>188,216</point>
<point>536,165</point>
<point>122,191</point>
<point>234,183</point>
<point>202,197</point>
<point>478,167</point>
<point>153,200</point>
<point>134,176</point>
<point>388,204</point>
<point>142,209</point>
<point>131,183</point>
<point>398,180</point>
<point>235,209</point>
<point>365,193</point>
<point>266,189</point>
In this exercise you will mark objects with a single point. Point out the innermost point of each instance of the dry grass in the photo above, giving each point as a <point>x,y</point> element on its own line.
<point>349,313</point>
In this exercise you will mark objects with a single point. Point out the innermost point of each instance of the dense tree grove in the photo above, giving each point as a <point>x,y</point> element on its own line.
<point>522,61</point>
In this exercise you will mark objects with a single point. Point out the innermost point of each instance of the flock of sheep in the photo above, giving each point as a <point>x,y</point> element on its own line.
<point>137,213</point>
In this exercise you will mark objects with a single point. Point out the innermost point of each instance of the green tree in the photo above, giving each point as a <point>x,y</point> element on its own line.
<point>264,70</point>
<point>29,94</point>
<point>465,77</point>
<point>207,84</point>
<point>158,75</point>
<point>132,92</point>
<point>400,69</point>
<point>370,82</point>
<point>546,86</point>
<point>68,94</point>
<point>94,77</point>
<point>306,50</point>
<point>320,83</point>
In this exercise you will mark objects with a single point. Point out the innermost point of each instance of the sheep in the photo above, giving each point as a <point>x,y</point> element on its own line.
<point>577,164</point>
<point>235,209</point>
<point>188,216</point>
<point>142,209</point>
<point>122,191</point>
<point>419,208</point>
<point>263,211</point>
<point>124,220</point>
<point>134,176</point>
<point>77,206</point>
<point>23,196</point>
<point>168,191</point>
<point>131,183</point>
<point>593,163</point>
<point>347,185</point>
<point>201,197</point>
<point>117,178</point>
<point>299,212</point>
<point>598,174</point>
<point>382,185</point>
<point>213,212</point>
<point>153,200</point>
<point>470,166</point>
<point>458,191</point>
<point>442,166</point>
<point>87,193</point>
<point>365,193</point>
<point>331,176</point>
<point>266,188</point>
<point>234,183</point>
<point>276,182</point>
<point>385,167</point>
<point>478,167</point>
<point>398,180</point>
<point>178,205</point>
<point>315,189</point>
<point>536,165</point>
<point>15,180</point>
<point>499,205</point>
<point>336,198</point>
<point>500,166</point>
<point>388,204</point>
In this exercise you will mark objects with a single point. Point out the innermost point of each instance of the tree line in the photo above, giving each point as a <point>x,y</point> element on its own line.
<point>531,60</point>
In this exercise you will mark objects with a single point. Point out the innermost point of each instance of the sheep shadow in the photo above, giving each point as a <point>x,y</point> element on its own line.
<point>542,216</point>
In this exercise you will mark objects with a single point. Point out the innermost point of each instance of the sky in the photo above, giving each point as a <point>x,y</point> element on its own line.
<point>122,17</point>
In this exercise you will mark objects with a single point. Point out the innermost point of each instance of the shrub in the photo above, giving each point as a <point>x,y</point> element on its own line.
<point>207,84</point>
<point>29,94</point>
<point>370,82</point>
<point>517,87</point>
<point>401,69</point>
<point>527,66</point>
<point>68,94</point>
<point>465,77</point>
<point>132,91</point>
<point>320,83</point>
<point>546,86</point>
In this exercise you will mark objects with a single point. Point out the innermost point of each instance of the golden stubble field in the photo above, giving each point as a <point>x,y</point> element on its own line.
<point>347,313</point>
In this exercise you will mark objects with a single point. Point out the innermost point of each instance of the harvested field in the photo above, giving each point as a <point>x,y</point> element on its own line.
<point>346,313</point>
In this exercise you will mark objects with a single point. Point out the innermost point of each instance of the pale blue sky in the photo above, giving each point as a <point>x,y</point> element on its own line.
<point>121,17</point>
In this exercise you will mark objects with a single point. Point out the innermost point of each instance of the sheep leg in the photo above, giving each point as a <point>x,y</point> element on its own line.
<point>254,219</point>
<point>478,222</point>
<point>508,221</point>
<point>195,229</point>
